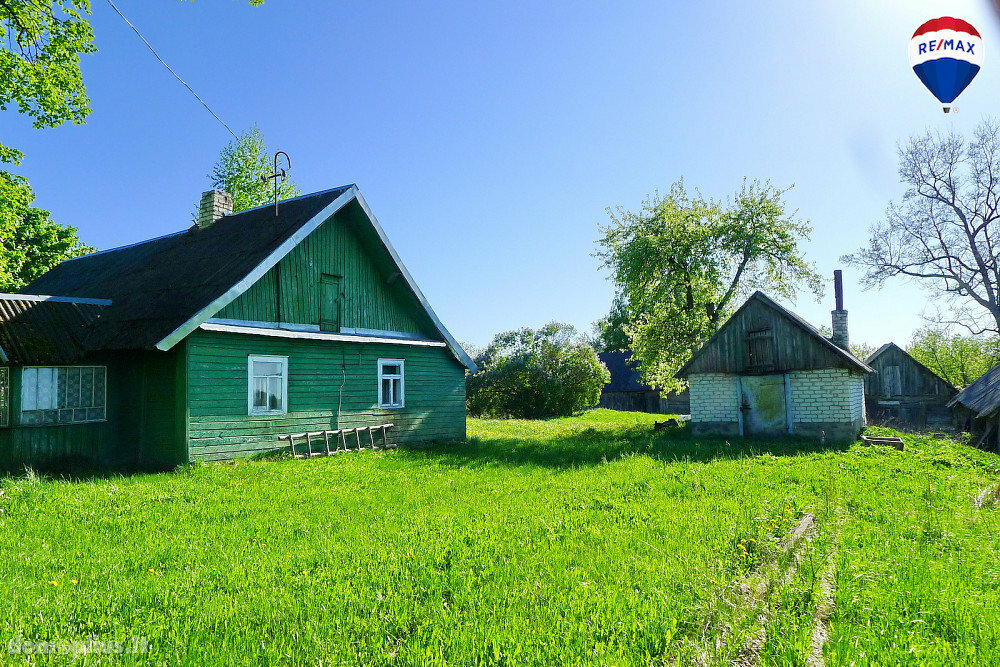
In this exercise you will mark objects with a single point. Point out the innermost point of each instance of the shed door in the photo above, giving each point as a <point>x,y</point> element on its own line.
<point>329,295</point>
<point>763,405</point>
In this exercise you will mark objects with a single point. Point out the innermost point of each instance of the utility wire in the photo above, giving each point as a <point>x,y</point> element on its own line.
<point>169,69</point>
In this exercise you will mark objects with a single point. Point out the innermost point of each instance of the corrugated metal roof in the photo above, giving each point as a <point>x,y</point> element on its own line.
<point>43,330</point>
<point>983,395</point>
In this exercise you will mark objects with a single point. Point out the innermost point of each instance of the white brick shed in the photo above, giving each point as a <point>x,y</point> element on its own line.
<point>767,371</point>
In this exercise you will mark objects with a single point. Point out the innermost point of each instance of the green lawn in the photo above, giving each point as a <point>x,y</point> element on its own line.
<point>586,540</point>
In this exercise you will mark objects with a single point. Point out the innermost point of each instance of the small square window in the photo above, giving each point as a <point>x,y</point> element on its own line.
<point>267,385</point>
<point>390,383</point>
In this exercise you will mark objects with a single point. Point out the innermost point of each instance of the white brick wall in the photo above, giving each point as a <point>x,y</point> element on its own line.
<point>827,395</point>
<point>713,398</point>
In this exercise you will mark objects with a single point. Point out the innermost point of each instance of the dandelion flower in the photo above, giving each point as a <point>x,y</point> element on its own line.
<point>74,582</point>
<point>54,582</point>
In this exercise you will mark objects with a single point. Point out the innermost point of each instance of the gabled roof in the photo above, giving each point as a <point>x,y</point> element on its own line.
<point>810,331</point>
<point>165,288</point>
<point>39,329</point>
<point>892,346</point>
<point>982,396</point>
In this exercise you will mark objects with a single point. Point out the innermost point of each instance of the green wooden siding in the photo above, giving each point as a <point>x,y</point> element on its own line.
<point>219,426</point>
<point>163,434</point>
<point>143,425</point>
<point>293,290</point>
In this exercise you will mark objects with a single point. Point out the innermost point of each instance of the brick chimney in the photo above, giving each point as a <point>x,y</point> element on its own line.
<point>839,337</point>
<point>214,204</point>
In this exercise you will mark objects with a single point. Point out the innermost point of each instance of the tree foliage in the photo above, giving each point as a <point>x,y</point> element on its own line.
<point>241,164</point>
<point>609,333</point>
<point>39,77</point>
<point>30,242</point>
<point>41,42</point>
<point>532,374</point>
<point>945,232</point>
<point>682,263</point>
<point>959,359</point>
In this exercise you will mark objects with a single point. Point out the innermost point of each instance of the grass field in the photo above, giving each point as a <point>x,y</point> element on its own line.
<point>586,540</point>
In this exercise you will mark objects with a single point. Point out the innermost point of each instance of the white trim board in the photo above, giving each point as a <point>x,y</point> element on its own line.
<point>56,299</point>
<point>315,328</point>
<point>288,326</point>
<point>312,335</point>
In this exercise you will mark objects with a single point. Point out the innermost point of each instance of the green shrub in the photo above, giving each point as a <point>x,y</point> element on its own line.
<point>531,374</point>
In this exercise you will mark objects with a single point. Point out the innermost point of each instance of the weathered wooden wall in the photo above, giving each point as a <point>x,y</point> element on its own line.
<point>919,400</point>
<point>647,401</point>
<point>219,426</point>
<point>97,443</point>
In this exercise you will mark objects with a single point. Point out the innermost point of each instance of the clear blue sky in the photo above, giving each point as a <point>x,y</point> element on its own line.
<point>489,138</point>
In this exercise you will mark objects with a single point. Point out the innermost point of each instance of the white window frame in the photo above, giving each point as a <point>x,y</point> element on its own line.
<point>268,358</point>
<point>21,410</point>
<point>401,403</point>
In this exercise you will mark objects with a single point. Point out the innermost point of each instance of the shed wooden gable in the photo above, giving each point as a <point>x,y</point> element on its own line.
<point>764,338</point>
<point>899,374</point>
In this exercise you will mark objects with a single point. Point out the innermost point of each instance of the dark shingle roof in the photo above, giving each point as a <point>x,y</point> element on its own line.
<point>45,330</point>
<point>158,285</point>
<point>983,395</point>
<point>624,372</point>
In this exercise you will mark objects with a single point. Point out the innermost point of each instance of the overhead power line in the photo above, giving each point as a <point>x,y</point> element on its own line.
<point>169,69</point>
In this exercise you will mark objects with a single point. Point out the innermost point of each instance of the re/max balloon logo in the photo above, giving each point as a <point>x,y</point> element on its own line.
<point>947,45</point>
<point>946,55</point>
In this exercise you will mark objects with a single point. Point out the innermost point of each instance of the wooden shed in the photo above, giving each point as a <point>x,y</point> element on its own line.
<point>904,393</point>
<point>767,372</point>
<point>211,342</point>
<point>627,391</point>
<point>977,410</point>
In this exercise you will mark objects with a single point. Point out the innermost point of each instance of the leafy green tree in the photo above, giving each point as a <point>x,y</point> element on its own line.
<point>241,164</point>
<point>533,374</point>
<point>609,331</point>
<point>30,242</point>
<point>39,77</point>
<point>959,359</point>
<point>41,42</point>
<point>682,263</point>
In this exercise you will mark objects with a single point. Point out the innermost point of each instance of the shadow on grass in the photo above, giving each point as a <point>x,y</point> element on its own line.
<point>592,447</point>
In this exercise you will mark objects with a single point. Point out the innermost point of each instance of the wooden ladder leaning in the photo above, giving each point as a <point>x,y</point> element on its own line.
<point>341,443</point>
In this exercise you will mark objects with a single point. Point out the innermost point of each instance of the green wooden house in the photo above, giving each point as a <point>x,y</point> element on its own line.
<point>211,342</point>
